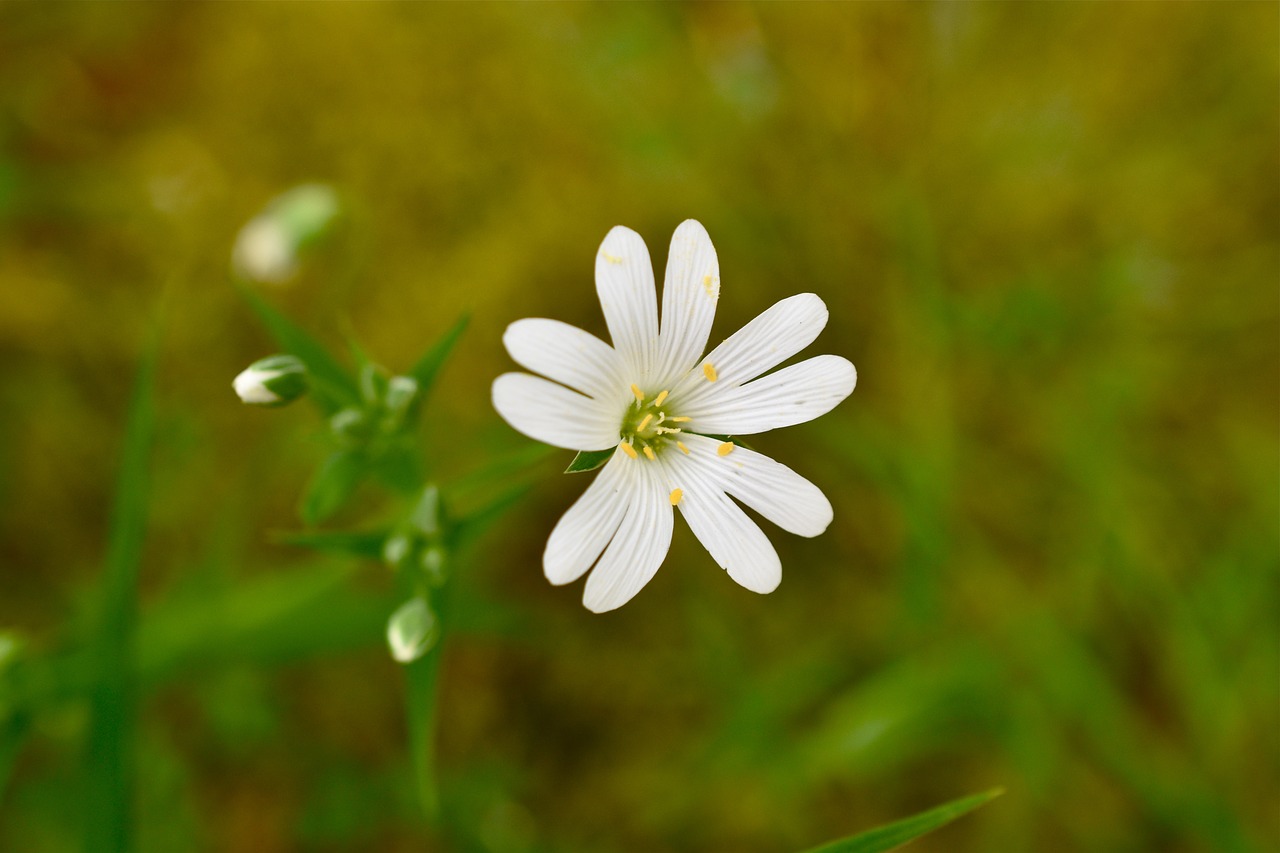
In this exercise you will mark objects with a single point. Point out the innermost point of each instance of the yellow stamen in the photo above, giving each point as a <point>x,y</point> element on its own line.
<point>648,452</point>
<point>628,449</point>
<point>708,284</point>
<point>681,420</point>
<point>636,390</point>
<point>709,370</point>
<point>683,449</point>
<point>644,423</point>
<point>657,401</point>
<point>676,495</point>
<point>725,449</point>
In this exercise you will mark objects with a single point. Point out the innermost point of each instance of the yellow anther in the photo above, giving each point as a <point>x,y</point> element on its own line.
<point>644,423</point>
<point>628,449</point>
<point>635,389</point>
<point>676,495</point>
<point>709,285</point>
<point>657,401</point>
<point>683,449</point>
<point>681,420</point>
<point>725,449</point>
<point>648,452</point>
<point>709,370</point>
<point>613,259</point>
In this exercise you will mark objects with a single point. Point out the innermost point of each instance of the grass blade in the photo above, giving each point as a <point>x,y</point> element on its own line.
<point>108,759</point>
<point>896,834</point>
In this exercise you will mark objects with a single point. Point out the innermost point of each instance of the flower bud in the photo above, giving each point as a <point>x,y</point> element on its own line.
<point>412,630</point>
<point>267,248</point>
<point>273,381</point>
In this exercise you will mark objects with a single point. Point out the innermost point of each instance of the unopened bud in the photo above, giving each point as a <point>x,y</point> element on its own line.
<point>401,391</point>
<point>412,630</point>
<point>273,381</point>
<point>266,248</point>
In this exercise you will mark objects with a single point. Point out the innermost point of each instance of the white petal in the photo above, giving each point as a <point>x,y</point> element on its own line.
<point>734,541</point>
<point>780,332</point>
<point>689,294</point>
<point>568,355</point>
<point>554,414</point>
<point>624,282</point>
<point>768,487</point>
<point>639,546</point>
<point>793,395</point>
<point>583,531</point>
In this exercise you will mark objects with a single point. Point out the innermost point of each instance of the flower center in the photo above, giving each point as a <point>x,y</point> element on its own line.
<point>647,425</point>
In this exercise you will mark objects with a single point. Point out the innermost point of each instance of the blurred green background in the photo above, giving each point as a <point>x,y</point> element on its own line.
<point>1048,239</point>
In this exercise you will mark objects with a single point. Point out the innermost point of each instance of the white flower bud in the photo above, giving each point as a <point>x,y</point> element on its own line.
<point>412,630</point>
<point>264,252</point>
<point>267,248</point>
<point>273,381</point>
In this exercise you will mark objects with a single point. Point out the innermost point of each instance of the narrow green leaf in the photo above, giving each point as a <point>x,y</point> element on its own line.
<point>896,834</point>
<point>332,485</point>
<point>333,388</point>
<point>109,756</point>
<point>588,460</point>
<point>428,367</point>
<point>355,543</point>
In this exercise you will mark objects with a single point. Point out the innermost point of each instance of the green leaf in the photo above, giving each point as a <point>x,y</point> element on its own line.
<point>355,543</point>
<point>428,367</point>
<point>588,460</point>
<point>896,834</point>
<point>333,388</point>
<point>109,755</point>
<point>332,485</point>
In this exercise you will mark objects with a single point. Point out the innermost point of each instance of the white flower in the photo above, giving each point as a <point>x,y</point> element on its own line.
<point>656,399</point>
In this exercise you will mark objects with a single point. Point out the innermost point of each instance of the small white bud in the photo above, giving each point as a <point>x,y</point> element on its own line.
<point>412,630</point>
<point>395,549</point>
<point>264,252</point>
<point>273,381</point>
<point>267,247</point>
<point>401,391</point>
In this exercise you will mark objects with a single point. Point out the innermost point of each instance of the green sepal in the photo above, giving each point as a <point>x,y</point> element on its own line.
<point>588,460</point>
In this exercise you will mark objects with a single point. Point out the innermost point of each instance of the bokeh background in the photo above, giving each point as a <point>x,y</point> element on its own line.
<point>1048,237</point>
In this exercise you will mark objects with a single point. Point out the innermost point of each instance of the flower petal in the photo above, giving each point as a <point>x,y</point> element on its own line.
<point>689,294</point>
<point>587,526</point>
<point>734,541</point>
<point>793,395</point>
<point>774,336</point>
<point>568,355</point>
<point>641,543</point>
<point>624,282</point>
<point>554,414</point>
<point>768,487</point>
